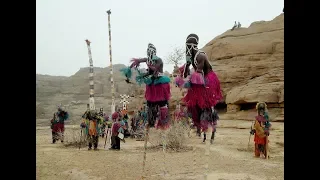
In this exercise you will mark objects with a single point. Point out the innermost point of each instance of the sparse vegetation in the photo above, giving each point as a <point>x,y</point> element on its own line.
<point>176,56</point>
<point>73,138</point>
<point>176,137</point>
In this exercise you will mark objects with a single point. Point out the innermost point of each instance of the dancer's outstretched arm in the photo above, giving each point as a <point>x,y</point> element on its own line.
<point>136,62</point>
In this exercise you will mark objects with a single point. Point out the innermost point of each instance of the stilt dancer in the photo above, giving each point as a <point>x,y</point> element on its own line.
<point>203,89</point>
<point>157,93</point>
<point>111,67</point>
<point>93,120</point>
<point>91,82</point>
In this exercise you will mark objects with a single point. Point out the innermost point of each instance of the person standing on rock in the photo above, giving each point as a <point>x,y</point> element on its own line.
<point>58,125</point>
<point>261,130</point>
<point>203,85</point>
<point>234,26</point>
<point>239,25</point>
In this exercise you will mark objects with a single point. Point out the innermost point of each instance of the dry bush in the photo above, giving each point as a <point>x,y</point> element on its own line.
<point>176,137</point>
<point>73,138</point>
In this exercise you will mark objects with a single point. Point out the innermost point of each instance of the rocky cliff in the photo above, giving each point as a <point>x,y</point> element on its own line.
<point>73,92</point>
<point>250,65</point>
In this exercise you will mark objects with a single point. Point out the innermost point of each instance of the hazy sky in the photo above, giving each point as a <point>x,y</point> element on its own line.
<point>63,25</point>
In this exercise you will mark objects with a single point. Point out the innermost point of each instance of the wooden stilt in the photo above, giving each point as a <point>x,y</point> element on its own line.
<point>146,138</point>
<point>207,153</point>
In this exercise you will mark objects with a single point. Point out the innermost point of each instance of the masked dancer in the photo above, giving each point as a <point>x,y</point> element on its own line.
<point>157,92</point>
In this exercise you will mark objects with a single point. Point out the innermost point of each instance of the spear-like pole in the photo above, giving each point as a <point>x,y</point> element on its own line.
<point>111,68</point>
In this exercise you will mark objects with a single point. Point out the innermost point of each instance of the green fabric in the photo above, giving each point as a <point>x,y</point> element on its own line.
<point>159,80</point>
<point>126,72</point>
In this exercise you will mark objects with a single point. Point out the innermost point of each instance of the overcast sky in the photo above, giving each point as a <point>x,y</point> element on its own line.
<point>63,25</point>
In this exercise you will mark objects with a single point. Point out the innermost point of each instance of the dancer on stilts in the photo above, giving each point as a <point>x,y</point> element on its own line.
<point>214,127</point>
<point>157,93</point>
<point>203,88</point>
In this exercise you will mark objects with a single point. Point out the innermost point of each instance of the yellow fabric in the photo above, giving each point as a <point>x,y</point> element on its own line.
<point>93,128</point>
<point>259,129</point>
<point>124,112</point>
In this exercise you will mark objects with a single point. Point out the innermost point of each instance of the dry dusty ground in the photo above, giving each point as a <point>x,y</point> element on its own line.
<point>229,158</point>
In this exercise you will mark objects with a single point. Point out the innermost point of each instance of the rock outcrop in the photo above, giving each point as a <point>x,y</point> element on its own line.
<point>250,64</point>
<point>73,92</point>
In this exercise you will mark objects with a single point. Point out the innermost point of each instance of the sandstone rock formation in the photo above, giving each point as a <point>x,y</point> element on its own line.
<point>250,64</point>
<point>73,92</point>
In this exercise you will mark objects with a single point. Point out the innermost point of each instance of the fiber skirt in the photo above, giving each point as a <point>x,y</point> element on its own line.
<point>59,127</point>
<point>158,89</point>
<point>204,93</point>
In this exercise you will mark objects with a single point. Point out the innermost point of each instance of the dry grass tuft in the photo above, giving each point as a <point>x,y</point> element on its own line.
<point>176,138</point>
<point>73,138</point>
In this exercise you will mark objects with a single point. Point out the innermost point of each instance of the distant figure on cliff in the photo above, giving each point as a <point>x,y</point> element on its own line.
<point>234,26</point>
<point>239,25</point>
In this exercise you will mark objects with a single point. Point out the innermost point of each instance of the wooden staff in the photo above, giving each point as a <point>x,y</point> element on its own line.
<point>267,147</point>
<point>250,133</point>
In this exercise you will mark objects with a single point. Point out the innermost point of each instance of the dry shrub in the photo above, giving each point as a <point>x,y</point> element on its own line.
<point>176,137</point>
<point>73,138</point>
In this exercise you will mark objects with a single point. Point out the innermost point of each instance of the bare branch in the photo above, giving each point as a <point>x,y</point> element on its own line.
<point>176,56</point>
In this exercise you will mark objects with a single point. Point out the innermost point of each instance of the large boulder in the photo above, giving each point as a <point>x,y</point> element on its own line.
<point>250,62</point>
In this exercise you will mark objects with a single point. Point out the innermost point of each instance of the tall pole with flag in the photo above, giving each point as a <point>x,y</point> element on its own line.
<point>113,106</point>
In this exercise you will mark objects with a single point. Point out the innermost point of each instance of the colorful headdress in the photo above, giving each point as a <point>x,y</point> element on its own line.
<point>261,105</point>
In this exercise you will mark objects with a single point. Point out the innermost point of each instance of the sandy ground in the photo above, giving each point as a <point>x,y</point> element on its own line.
<point>229,158</point>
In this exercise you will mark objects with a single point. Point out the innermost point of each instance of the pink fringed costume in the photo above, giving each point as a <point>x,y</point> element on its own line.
<point>203,85</point>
